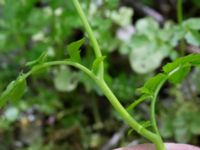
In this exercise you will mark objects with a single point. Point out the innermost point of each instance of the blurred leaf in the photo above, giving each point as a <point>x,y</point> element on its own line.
<point>196,3</point>
<point>144,56</point>
<point>193,37</point>
<point>4,124</point>
<point>195,122</point>
<point>192,23</point>
<point>123,17</point>
<point>181,129</point>
<point>112,4</point>
<point>3,39</point>
<point>178,34</point>
<point>166,128</point>
<point>147,50</point>
<point>11,114</point>
<point>65,80</point>
<point>148,27</point>
<point>123,88</point>
<point>2,2</point>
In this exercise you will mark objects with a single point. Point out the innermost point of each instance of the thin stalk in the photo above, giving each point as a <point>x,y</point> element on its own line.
<point>153,102</point>
<point>90,33</point>
<point>153,109</point>
<point>153,113</point>
<point>180,20</point>
<point>61,62</point>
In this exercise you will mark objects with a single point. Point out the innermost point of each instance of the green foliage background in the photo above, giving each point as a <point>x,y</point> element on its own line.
<point>62,108</point>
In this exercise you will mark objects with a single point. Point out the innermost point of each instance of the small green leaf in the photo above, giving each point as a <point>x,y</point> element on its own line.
<point>14,90</point>
<point>19,88</point>
<point>179,75</point>
<point>151,85</point>
<point>96,64</point>
<point>193,59</point>
<point>40,60</point>
<point>178,69</point>
<point>171,66</point>
<point>74,50</point>
<point>175,64</point>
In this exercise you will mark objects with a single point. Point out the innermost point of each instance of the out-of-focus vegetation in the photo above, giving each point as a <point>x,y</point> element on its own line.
<point>62,108</point>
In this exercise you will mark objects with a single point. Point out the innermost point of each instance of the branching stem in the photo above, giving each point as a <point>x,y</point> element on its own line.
<point>106,90</point>
<point>90,33</point>
<point>111,97</point>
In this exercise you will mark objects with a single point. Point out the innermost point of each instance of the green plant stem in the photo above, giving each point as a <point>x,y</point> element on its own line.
<point>180,20</point>
<point>153,102</point>
<point>90,34</point>
<point>111,97</point>
<point>129,120</point>
<point>108,93</point>
<point>153,105</point>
